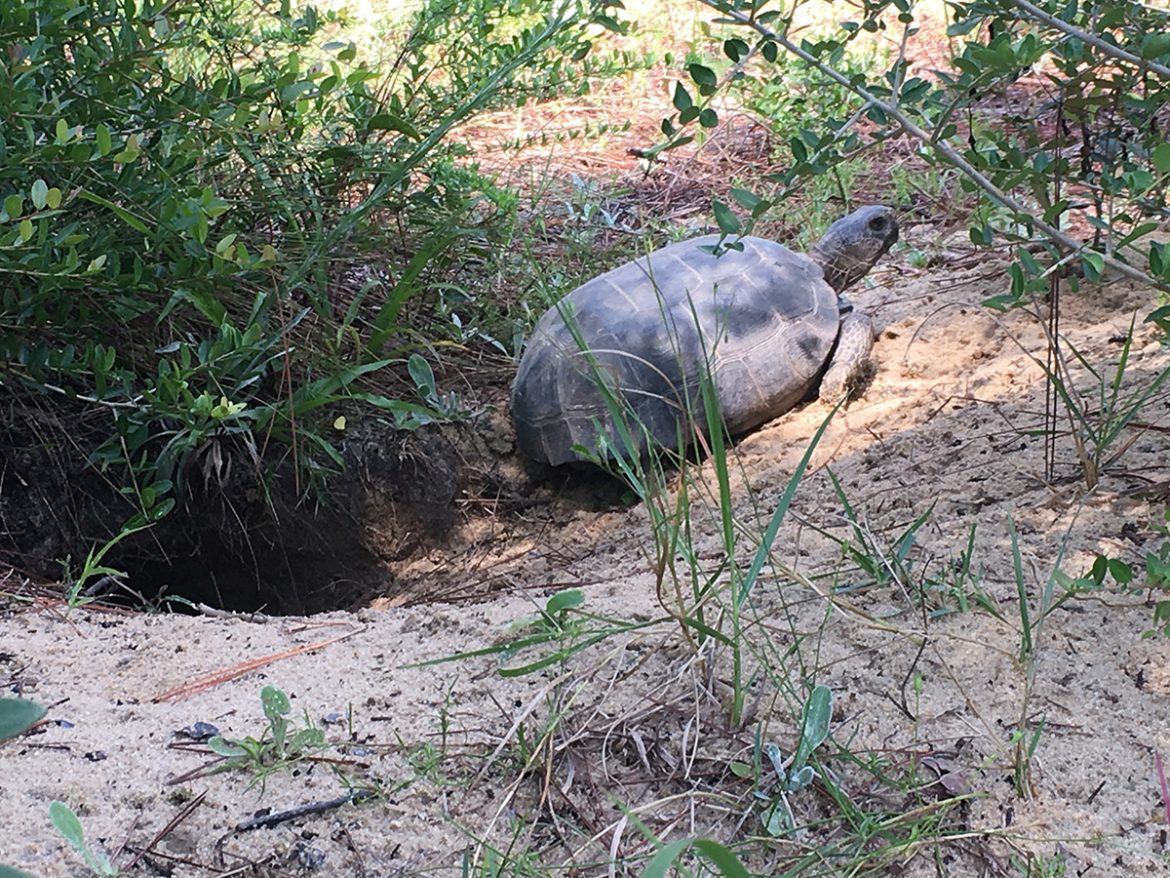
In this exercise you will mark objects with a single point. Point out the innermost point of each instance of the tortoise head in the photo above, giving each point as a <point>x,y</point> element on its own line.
<point>854,243</point>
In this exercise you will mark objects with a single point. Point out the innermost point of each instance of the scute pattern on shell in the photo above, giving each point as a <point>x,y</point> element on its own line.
<point>763,317</point>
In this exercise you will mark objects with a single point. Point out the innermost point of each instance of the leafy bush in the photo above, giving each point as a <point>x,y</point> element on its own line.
<point>183,185</point>
<point>794,98</point>
<point>1098,145</point>
<point>1075,164</point>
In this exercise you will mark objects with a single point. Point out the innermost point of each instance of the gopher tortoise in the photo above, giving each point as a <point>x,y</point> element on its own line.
<point>768,323</point>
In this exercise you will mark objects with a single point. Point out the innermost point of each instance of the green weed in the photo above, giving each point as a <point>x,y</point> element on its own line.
<point>281,746</point>
<point>1033,865</point>
<point>1101,415</point>
<point>69,826</point>
<point>178,283</point>
<point>795,773</point>
<point>18,716</point>
<point>1151,575</point>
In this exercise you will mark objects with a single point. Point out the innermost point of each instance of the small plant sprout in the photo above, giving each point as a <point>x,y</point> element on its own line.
<point>278,747</point>
<point>69,826</point>
<point>795,773</point>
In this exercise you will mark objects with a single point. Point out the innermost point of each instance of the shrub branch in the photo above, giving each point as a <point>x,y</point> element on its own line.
<point>944,149</point>
<point>1106,48</point>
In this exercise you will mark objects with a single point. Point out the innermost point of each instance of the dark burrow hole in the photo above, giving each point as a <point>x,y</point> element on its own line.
<point>243,543</point>
<point>301,564</point>
<point>233,543</point>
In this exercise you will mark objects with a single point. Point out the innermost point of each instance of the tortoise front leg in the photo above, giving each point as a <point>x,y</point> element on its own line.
<point>850,365</point>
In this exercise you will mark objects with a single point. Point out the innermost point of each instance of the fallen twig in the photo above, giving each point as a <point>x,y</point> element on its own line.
<point>227,674</point>
<point>183,814</point>
<point>274,817</point>
<point>1161,769</point>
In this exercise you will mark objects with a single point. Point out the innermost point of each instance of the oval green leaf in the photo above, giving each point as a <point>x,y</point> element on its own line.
<point>274,700</point>
<point>104,141</point>
<point>1161,157</point>
<point>67,824</point>
<point>563,600</point>
<point>40,194</point>
<point>703,76</point>
<point>725,218</point>
<point>222,747</point>
<point>424,377</point>
<point>18,716</point>
<point>818,713</point>
<point>390,122</point>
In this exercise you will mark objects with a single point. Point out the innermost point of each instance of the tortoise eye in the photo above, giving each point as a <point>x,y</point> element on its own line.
<point>877,224</point>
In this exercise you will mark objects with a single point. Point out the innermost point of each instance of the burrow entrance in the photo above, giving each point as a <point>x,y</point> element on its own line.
<point>240,540</point>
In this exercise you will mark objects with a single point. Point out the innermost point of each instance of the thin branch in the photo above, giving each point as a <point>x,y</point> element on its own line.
<point>135,403</point>
<point>274,818</point>
<point>1090,39</point>
<point>941,147</point>
<point>184,812</point>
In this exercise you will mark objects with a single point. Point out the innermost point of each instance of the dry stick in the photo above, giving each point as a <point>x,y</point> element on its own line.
<point>275,817</point>
<point>361,863</point>
<point>1061,368</point>
<point>201,868</point>
<point>185,812</point>
<point>1090,39</point>
<point>227,674</point>
<point>121,849</point>
<point>1161,769</point>
<point>1051,395</point>
<point>941,147</point>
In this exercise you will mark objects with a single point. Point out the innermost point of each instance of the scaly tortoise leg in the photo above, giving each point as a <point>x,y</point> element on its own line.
<point>850,364</point>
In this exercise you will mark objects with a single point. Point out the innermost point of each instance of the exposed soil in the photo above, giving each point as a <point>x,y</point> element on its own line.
<point>944,431</point>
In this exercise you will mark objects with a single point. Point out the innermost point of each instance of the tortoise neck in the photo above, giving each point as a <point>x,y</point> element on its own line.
<point>840,270</point>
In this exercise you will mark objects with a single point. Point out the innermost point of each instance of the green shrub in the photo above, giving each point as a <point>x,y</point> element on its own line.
<point>795,99</point>
<point>1092,139</point>
<point>182,185</point>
